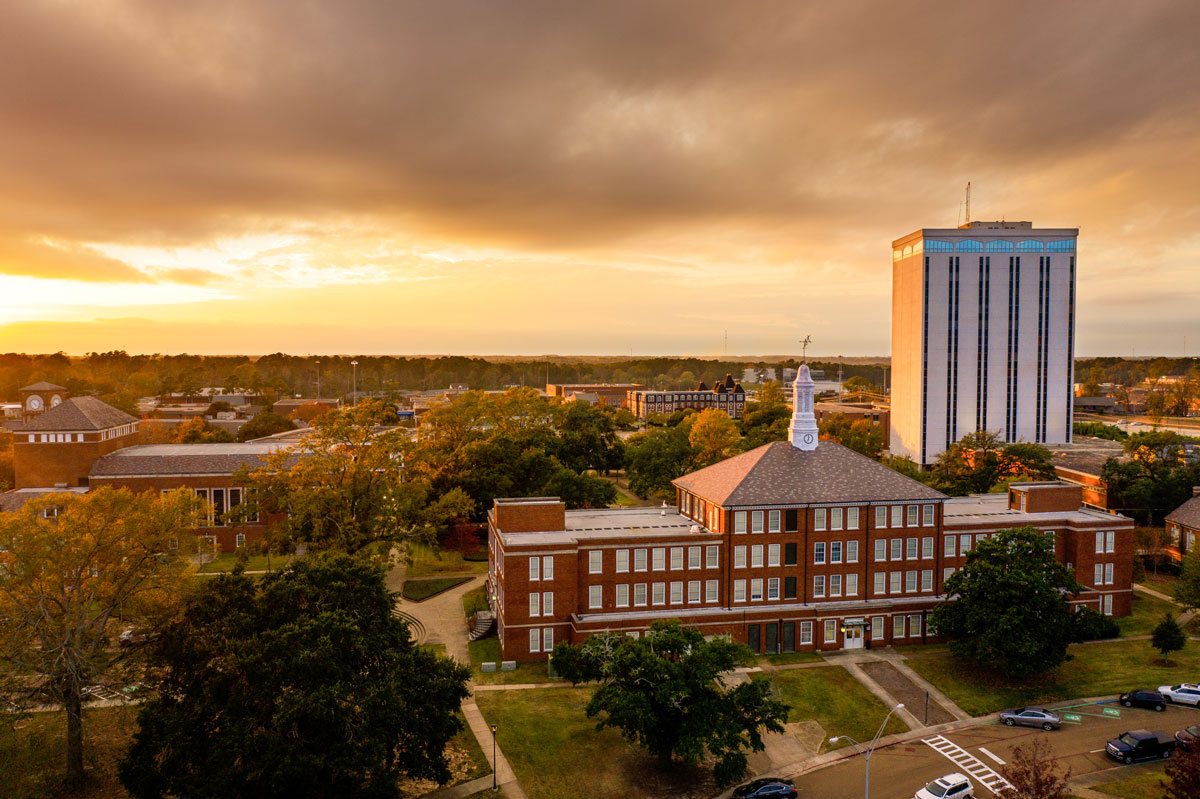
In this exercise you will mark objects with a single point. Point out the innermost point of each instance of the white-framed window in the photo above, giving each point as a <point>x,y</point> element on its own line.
<point>949,546</point>
<point>547,603</point>
<point>658,595</point>
<point>835,551</point>
<point>897,626</point>
<point>927,513</point>
<point>831,630</point>
<point>946,573</point>
<point>877,628</point>
<point>535,604</point>
<point>819,585</point>
<point>910,582</point>
<point>756,521</point>
<point>897,548</point>
<point>535,640</point>
<point>595,596</point>
<point>756,555</point>
<point>240,540</point>
<point>926,547</point>
<point>548,639</point>
<point>639,595</point>
<point>676,558</point>
<point>739,557</point>
<point>805,633</point>
<point>880,586</point>
<point>1099,542</point>
<point>819,552</point>
<point>694,554</point>
<point>711,557</point>
<point>739,522</point>
<point>595,561</point>
<point>964,544</point>
<point>851,518</point>
<point>897,516</point>
<point>710,591</point>
<point>1108,574</point>
<point>773,588</point>
<point>880,516</point>
<point>835,585</point>
<point>851,584</point>
<point>835,518</point>
<point>880,549</point>
<point>912,516</point>
<point>819,519</point>
<point>1099,574</point>
<point>639,560</point>
<point>548,567</point>
<point>756,589</point>
<point>677,593</point>
<point>658,559</point>
<point>914,626</point>
<point>1051,540</point>
<point>739,590</point>
<point>1106,605</point>
<point>773,521</point>
<point>911,548</point>
<point>852,552</point>
<point>895,580</point>
<point>773,554</point>
<point>622,560</point>
<point>622,595</point>
<point>693,590</point>
<point>1110,541</point>
<point>927,579</point>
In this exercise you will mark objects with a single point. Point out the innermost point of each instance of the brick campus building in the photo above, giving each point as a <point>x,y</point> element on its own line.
<point>797,545</point>
<point>727,394</point>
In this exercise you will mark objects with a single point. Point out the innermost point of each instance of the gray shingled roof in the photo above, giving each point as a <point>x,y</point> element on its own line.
<point>42,385</point>
<point>79,413</point>
<point>179,459</point>
<point>15,500</point>
<point>780,474</point>
<point>1187,514</point>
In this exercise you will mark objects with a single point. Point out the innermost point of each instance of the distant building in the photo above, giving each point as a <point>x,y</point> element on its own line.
<point>727,395</point>
<point>612,395</point>
<point>983,323</point>
<point>55,447</point>
<point>286,407</point>
<point>1183,524</point>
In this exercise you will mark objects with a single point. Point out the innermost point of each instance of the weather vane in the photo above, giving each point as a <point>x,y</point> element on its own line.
<point>804,347</point>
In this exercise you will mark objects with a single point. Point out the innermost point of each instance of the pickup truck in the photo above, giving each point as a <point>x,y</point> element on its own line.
<point>1140,745</point>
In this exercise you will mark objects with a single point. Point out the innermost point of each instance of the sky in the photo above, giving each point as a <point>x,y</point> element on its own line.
<point>577,178</point>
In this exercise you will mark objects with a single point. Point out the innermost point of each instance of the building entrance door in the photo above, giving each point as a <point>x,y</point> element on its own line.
<point>854,638</point>
<point>752,639</point>
<point>772,631</point>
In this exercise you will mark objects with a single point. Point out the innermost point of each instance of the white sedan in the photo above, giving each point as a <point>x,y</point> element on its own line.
<point>1183,694</point>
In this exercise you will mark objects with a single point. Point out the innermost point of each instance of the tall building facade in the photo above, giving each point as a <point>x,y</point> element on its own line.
<point>983,335</point>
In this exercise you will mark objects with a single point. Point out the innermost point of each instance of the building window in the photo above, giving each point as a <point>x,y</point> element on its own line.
<point>739,590</point>
<point>710,590</point>
<point>548,567</point>
<point>789,587</point>
<point>773,555</point>
<point>927,580</point>
<point>756,555</point>
<point>1099,543</point>
<point>756,590</point>
<point>790,555</point>
<point>535,604</point>
<point>547,603</point>
<point>622,596</point>
<point>240,540</point>
<point>819,585</point>
<point>819,519</point>
<point>595,561</point>
<point>693,557</point>
<point>1110,541</point>
<point>964,544</point>
<point>880,583</point>
<point>739,521</point>
<point>948,546</point>
<point>739,557</point>
<point>1108,574</point>
<point>852,552</point>
<point>894,582</point>
<point>897,548</point>
<point>535,569</point>
<point>658,594</point>
<point>830,630</point>
<point>877,628</point>
<point>851,518</point>
<point>1099,574</point>
<point>851,585</point>
<point>639,595</point>
<point>659,559</point>
<point>773,588</point>
<point>912,516</point>
<point>676,558</point>
<point>677,593</point>
<point>819,552</point>
<point>910,582</point>
<point>756,522</point>
<point>535,640</point>
<point>880,516</point>
<point>897,626</point>
<point>835,518</point>
<point>639,560</point>
<point>710,553</point>
<point>773,521</point>
<point>622,560</point>
<point>693,591</point>
<point>897,516</point>
<point>946,573</point>
<point>926,547</point>
<point>911,552</point>
<point>595,596</point>
<point>880,549</point>
<point>927,512</point>
<point>914,626</point>
<point>835,551</point>
<point>835,585</point>
<point>1107,605</point>
<point>805,633</point>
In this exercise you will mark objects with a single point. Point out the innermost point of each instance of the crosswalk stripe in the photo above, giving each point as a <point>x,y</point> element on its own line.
<point>988,778</point>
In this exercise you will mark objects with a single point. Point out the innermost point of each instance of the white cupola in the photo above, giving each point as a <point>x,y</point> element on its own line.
<point>803,432</point>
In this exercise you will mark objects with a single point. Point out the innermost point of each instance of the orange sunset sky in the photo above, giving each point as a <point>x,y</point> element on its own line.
<point>571,177</point>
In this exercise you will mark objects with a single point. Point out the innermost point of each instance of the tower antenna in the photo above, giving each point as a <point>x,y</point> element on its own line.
<point>968,202</point>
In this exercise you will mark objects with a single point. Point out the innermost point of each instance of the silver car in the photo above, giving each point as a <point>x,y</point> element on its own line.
<point>1031,717</point>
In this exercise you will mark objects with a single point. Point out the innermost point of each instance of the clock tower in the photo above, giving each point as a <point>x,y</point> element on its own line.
<point>39,398</point>
<point>803,432</point>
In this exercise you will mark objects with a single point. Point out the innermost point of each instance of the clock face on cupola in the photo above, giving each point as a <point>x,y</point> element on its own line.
<point>34,403</point>
<point>55,401</point>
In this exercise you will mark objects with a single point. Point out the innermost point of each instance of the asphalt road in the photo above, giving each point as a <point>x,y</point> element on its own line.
<point>898,771</point>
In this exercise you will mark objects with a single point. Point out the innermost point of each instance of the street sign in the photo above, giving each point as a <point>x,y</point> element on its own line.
<point>1115,712</point>
<point>1074,718</point>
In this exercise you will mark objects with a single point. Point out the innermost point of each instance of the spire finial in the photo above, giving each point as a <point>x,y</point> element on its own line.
<point>804,348</point>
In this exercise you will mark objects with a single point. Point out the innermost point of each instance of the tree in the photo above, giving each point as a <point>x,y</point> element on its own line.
<point>713,436</point>
<point>903,464</point>
<point>218,406</point>
<point>1168,637</point>
<point>302,684</point>
<point>662,691</point>
<point>1010,608</point>
<point>73,567</point>
<point>1183,776</point>
<point>860,435</point>
<point>1033,774</point>
<point>1187,590</point>
<point>980,462</point>
<point>764,422</point>
<point>587,439</point>
<point>265,423</point>
<point>857,383</point>
<point>1151,542</point>
<point>655,458</point>
<point>309,411</point>
<point>198,431</point>
<point>7,472</point>
<point>770,393</point>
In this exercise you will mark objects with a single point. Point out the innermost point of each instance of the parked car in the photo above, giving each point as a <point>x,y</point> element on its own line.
<point>1188,737</point>
<point>951,786</point>
<point>1185,693</point>
<point>767,788</point>
<point>1144,697</point>
<point>1140,745</point>
<point>1031,717</point>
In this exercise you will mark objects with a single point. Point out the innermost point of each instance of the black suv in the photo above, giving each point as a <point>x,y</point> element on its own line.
<point>1144,697</point>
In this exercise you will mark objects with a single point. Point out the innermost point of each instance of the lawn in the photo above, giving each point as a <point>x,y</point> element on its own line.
<point>835,700</point>
<point>226,561</point>
<point>788,658</point>
<point>1163,583</point>
<point>1145,615</point>
<point>1097,670</point>
<point>464,758</point>
<point>1147,785</point>
<point>488,649</point>
<point>420,590</point>
<point>474,601</point>
<point>32,757</point>
<point>429,562</point>
<point>438,650</point>
<point>556,751</point>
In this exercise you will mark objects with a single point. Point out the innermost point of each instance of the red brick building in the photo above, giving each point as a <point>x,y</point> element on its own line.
<point>727,394</point>
<point>612,395</point>
<point>60,437</point>
<point>792,546</point>
<point>1183,525</point>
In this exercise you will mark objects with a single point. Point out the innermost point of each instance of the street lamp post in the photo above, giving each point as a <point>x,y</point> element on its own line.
<point>866,749</point>
<point>318,379</point>
<point>354,390</point>
<point>494,786</point>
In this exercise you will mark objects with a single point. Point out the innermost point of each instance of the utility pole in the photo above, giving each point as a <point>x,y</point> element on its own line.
<point>318,379</point>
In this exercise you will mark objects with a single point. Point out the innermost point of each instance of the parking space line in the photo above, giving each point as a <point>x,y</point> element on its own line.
<point>992,756</point>
<point>975,767</point>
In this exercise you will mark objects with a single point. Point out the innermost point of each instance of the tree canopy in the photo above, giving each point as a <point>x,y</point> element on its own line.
<point>1168,636</point>
<point>860,435</point>
<point>1011,606</point>
<point>656,457</point>
<point>301,684</point>
<point>1156,479</point>
<point>662,691</point>
<point>981,461</point>
<point>265,423</point>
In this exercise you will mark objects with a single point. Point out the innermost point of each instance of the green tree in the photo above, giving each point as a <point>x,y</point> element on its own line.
<point>265,423</point>
<point>1187,590</point>
<point>218,406</point>
<point>587,439</point>
<point>860,435</point>
<point>198,431</point>
<point>301,684</point>
<point>1010,608</point>
<point>713,435</point>
<point>1168,637</point>
<point>905,465</point>
<point>72,568</point>
<point>857,383</point>
<point>657,457</point>
<point>662,691</point>
<point>764,422</point>
<point>770,393</point>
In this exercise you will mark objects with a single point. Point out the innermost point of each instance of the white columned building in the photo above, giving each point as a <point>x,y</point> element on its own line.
<point>983,335</point>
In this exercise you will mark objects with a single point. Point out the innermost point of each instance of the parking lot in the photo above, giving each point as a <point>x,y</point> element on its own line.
<point>898,771</point>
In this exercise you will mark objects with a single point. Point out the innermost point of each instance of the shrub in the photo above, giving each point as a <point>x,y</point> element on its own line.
<point>1089,625</point>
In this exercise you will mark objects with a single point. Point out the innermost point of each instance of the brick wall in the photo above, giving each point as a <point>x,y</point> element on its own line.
<point>529,516</point>
<point>38,465</point>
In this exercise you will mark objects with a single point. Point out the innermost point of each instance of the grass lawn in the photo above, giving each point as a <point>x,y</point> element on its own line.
<point>1147,785</point>
<point>835,700</point>
<point>1145,615</point>
<point>428,562</point>
<point>488,649</point>
<point>437,649</point>
<point>420,590</point>
<point>226,561</point>
<point>33,757</point>
<point>556,751</point>
<point>475,600</point>
<point>788,658</point>
<point>1163,583</point>
<point>1096,670</point>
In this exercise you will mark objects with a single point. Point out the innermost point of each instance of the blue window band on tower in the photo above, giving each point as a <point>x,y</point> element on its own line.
<point>1029,245</point>
<point>970,245</point>
<point>999,245</point>
<point>1062,245</point>
<point>937,245</point>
